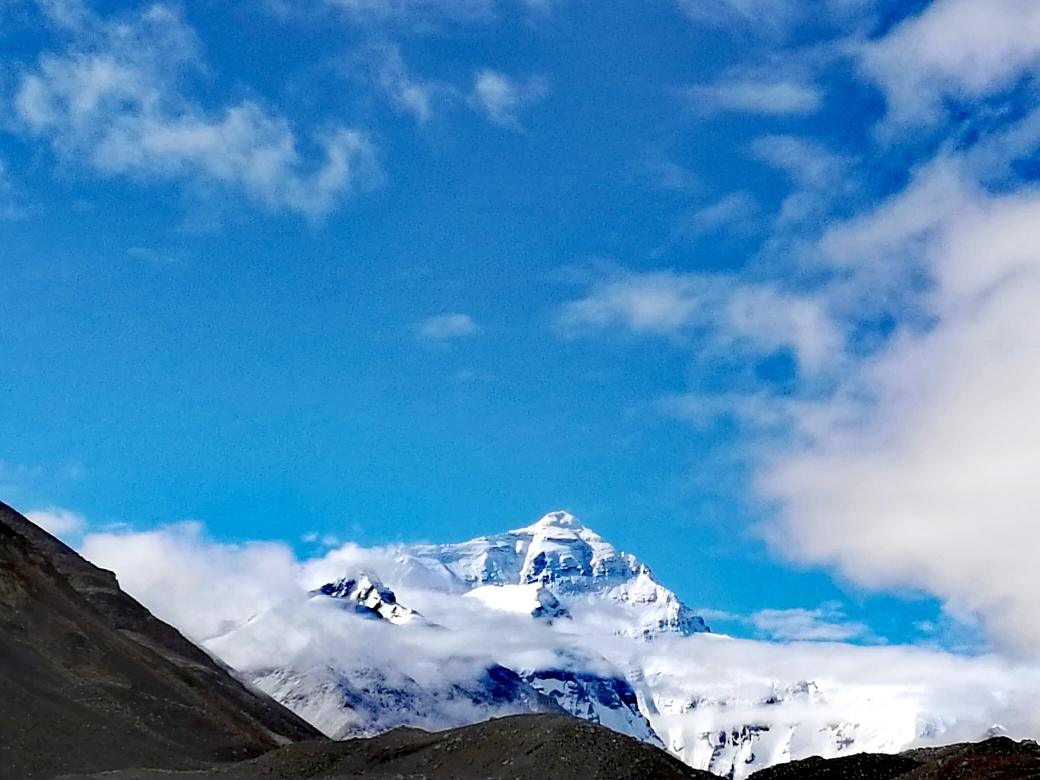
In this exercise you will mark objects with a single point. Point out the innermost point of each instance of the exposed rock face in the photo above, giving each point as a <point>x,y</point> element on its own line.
<point>90,680</point>
<point>369,596</point>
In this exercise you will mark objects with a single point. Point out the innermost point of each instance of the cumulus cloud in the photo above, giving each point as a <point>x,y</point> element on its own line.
<point>111,101</point>
<point>922,470</point>
<point>958,49</point>
<point>500,98</point>
<point>752,96</point>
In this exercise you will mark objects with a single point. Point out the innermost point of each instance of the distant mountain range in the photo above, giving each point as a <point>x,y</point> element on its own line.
<point>548,618</point>
<point>93,686</point>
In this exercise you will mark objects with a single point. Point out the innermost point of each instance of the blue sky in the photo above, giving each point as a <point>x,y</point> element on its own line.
<point>425,269</point>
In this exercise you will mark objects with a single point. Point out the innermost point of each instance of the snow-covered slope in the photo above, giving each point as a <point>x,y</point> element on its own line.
<point>551,617</point>
<point>534,599</point>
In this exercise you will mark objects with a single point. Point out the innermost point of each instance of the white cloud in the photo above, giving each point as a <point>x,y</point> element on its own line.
<point>202,587</point>
<point>500,98</point>
<point>719,311</point>
<point>773,320</point>
<point>423,14</point>
<point>922,471</point>
<point>59,522</point>
<point>752,96</point>
<point>447,326</point>
<point>961,49</point>
<point>112,102</point>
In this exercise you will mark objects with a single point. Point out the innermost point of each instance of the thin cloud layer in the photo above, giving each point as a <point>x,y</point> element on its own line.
<point>777,98</point>
<point>447,326</point>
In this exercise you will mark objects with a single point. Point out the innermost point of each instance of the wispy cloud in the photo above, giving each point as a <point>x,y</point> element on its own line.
<point>111,101</point>
<point>386,69</point>
<point>501,98</point>
<point>754,96</point>
<point>662,302</point>
<point>820,178</point>
<point>12,205</point>
<point>445,327</point>
<point>414,12</point>
<point>770,17</point>
<point>734,211</point>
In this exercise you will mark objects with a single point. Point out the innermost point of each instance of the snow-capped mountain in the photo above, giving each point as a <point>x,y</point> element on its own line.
<point>568,561</point>
<point>551,617</point>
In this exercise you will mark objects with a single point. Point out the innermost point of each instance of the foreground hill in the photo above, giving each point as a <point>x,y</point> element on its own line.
<point>559,747</point>
<point>90,680</point>
<point>998,758</point>
<point>519,747</point>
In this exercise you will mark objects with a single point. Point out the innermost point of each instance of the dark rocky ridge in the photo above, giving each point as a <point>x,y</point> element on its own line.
<point>90,680</point>
<point>519,747</point>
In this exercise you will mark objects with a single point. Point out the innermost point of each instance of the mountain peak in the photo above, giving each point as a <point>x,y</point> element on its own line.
<point>553,521</point>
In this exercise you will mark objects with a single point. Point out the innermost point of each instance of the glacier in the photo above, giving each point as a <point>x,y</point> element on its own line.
<point>550,617</point>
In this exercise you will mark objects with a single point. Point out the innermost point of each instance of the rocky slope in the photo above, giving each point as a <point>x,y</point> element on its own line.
<point>998,758</point>
<point>90,680</point>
